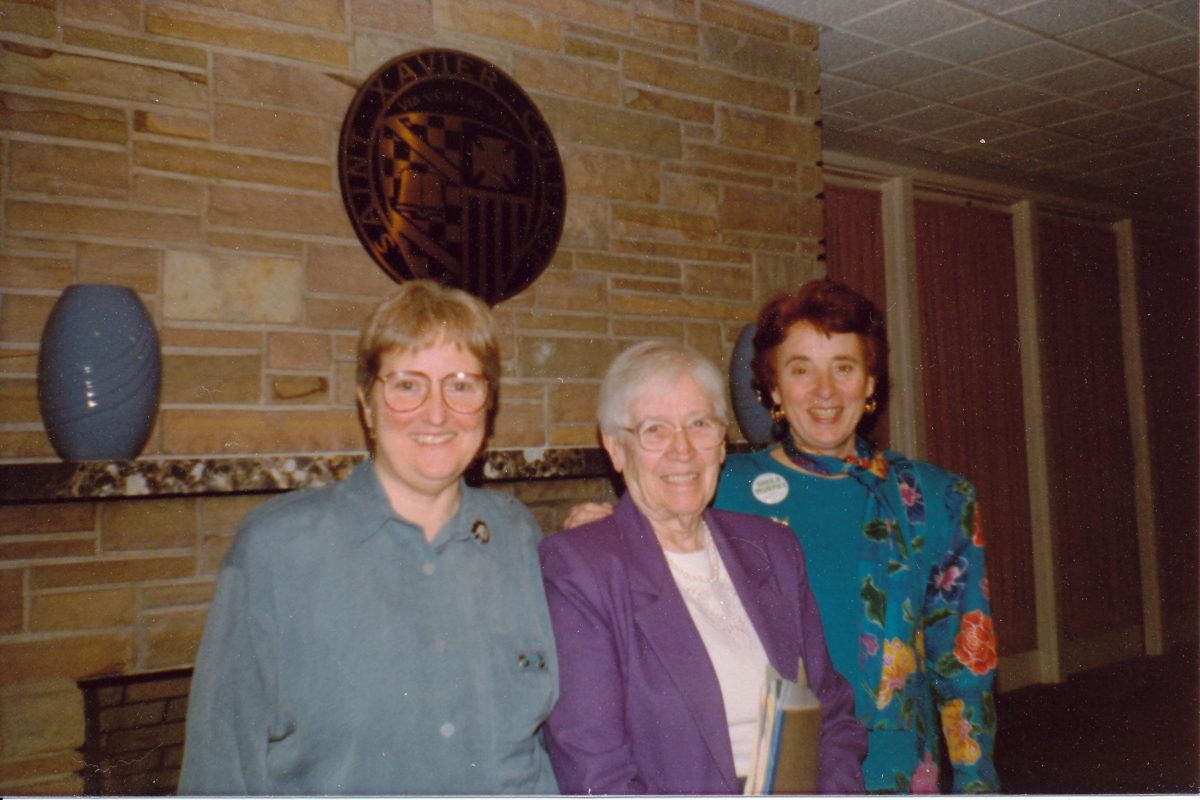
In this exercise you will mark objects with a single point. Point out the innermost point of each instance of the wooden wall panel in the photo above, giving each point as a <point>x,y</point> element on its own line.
<point>1168,302</point>
<point>854,256</point>
<point>1090,453</point>
<point>974,420</point>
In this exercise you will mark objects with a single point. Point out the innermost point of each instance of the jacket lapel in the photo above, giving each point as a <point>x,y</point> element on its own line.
<point>663,618</point>
<point>749,568</point>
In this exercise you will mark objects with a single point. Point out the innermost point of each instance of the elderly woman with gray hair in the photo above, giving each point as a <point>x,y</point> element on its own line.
<point>666,614</point>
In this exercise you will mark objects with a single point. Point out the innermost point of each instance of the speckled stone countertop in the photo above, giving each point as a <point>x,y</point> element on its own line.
<point>163,477</point>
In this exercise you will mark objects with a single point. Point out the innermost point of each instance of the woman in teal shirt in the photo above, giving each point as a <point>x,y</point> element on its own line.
<point>894,547</point>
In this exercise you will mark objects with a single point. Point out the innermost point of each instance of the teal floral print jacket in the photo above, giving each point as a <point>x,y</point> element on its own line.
<point>927,636</point>
<point>927,645</point>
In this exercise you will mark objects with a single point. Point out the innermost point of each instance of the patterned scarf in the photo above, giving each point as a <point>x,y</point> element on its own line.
<point>872,470</point>
<point>888,587</point>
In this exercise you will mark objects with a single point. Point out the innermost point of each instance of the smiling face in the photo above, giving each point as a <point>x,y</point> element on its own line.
<point>822,385</point>
<point>675,485</point>
<point>422,453</point>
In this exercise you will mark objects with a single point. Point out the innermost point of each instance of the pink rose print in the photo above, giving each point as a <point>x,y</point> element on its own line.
<point>868,644</point>
<point>949,577</point>
<point>925,777</point>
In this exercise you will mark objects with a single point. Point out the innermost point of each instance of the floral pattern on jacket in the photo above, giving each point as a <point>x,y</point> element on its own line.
<point>927,635</point>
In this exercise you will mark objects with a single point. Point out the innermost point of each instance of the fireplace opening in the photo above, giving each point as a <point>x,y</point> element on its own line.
<point>134,728</point>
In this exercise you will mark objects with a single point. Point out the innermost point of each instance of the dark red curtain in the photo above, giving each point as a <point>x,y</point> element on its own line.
<point>1090,452</point>
<point>854,256</point>
<point>971,371</point>
<point>1168,303</point>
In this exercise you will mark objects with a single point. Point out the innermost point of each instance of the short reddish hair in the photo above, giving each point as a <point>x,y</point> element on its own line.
<point>830,307</point>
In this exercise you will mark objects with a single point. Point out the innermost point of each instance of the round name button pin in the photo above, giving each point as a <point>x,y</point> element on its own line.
<point>770,488</point>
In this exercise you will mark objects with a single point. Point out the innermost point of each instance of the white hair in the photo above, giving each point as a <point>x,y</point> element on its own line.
<point>649,361</point>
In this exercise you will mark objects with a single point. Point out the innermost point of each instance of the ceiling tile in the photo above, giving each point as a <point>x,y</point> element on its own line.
<point>891,68</point>
<point>1131,137</point>
<point>932,144</point>
<point>1122,33</point>
<point>1165,148</point>
<point>1183,13</point>
<point>836,90</point>
<point>983,155</point>
<point>877,106</point>
<point>1050,113</point>
<point>1130,93</point>
<point>838,48</point>
<point>1162,55</point>
<point>1098,94</point>
<point>911,21</point>
<point>976,42</point>
<point>1129,172</point>
<point>820,11</point>
<point>1056,17</point>
<point>884,132</point>
<point>1169,109</point>
<point>951,84</point>
<point>1008,98</point>
<point>1029,61</point>
<point>1097,163</point>
<point>1093,127</point>
<point>837,122</point>
<point>1184,76</point>
<point>1057,154</point>
<point>1084,78</point>
<point>994,6</point>
<point>1030,141</point>
<point>932,119</point>
<point>981,131</point>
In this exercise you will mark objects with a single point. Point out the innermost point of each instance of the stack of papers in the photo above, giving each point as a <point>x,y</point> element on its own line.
<point>789,737</point>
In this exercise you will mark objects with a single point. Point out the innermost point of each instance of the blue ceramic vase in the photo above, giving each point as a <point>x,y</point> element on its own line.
<point>99,374</point>
<point>754,420</point>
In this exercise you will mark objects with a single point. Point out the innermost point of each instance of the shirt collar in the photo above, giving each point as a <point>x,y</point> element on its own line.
<point>372,511</point>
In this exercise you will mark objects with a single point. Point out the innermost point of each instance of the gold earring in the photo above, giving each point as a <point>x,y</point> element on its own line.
<point>777,413</point>
<point>871,405</point>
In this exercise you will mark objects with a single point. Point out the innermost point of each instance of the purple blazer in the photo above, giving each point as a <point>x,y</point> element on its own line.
<point>640,709</point>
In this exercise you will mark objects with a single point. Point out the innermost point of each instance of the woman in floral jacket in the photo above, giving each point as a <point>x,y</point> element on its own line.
<point>894,547</point>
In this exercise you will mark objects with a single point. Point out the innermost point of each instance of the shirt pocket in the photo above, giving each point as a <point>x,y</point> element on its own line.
<point>523,670</point>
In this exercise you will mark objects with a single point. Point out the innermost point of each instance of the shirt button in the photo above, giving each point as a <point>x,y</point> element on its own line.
<point>429,568</point>
<point>447,730</point>
<point>439,645</point>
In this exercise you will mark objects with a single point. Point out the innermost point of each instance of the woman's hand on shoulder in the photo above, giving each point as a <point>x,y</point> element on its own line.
<point>583,513</point>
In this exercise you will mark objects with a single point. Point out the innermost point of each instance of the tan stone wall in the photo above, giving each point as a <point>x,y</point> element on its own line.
<point>187,149</point>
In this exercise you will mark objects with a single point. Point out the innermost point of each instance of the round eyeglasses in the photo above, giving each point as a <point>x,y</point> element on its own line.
<point>655,435</point>
<point>464,392</point>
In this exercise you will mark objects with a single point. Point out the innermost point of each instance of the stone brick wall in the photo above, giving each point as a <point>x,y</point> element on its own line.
<point>188,150</point>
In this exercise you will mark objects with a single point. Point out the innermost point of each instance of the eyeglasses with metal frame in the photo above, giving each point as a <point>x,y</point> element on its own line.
<point>656,435</point>
<point>464,392</point>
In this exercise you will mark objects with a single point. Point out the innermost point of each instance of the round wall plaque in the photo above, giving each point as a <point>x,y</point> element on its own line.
<point>449,172</point>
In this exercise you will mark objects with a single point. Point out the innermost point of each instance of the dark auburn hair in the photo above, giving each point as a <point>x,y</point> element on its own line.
<point>830,307</point>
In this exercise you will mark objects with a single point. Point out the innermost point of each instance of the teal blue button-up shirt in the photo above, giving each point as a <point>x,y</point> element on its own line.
<point>345,654</point>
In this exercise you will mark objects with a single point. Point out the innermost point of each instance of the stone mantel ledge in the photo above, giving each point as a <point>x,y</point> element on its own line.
<point>32,481</point>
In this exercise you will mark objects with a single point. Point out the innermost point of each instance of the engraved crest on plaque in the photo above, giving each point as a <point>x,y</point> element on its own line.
<point>448,171</point>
